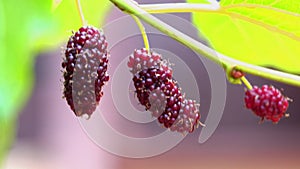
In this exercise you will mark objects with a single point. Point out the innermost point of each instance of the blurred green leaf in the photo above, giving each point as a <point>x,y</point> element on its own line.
<point>65,19</point>
<point>27,28</point>
<point>259,32</point>
<point>7,134</point>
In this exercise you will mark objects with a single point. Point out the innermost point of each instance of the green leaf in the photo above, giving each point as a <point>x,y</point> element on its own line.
<point>259,32</point>
<point>7,134</point>
<point>65,19</point>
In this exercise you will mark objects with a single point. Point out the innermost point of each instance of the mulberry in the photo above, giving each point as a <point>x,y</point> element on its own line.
<point>85,69</point>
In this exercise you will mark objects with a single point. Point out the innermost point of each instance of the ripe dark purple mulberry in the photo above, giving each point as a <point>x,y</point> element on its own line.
<point>267,102</point>
<point>85,69</point>
<point>157,90</point>
<point>153,82</point>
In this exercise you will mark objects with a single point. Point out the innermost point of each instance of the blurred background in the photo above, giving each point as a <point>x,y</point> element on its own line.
<point>48,135</point>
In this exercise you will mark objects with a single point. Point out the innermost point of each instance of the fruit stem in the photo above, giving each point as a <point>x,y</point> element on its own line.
<point>80,12</point>
<point>131,7</point>
<point>143,32</point>
<point>246,83</point>
<point>179,7</point>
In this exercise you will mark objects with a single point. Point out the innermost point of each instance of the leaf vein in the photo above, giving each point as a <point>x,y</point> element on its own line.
<point>260,23</point>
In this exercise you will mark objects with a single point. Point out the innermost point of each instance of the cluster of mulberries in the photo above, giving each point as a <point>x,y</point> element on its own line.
<point>85,69</point>
<point>160,94</point>
<point>85,73</point>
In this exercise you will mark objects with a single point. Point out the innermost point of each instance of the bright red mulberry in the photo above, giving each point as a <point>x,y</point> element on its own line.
<point>85,69</point>
<point>267,102</point>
